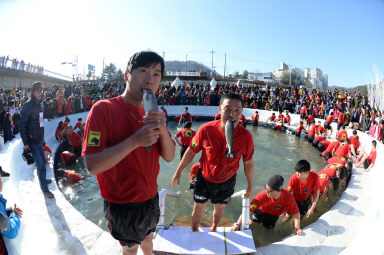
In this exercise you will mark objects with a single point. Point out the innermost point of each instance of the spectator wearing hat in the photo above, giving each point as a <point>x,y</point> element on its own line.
<point>270,203</point>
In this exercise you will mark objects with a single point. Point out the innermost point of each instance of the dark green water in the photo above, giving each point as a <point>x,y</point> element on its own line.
<point>275,153</point>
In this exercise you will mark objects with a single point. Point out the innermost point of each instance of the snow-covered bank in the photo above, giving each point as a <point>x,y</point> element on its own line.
<point>53,226</point>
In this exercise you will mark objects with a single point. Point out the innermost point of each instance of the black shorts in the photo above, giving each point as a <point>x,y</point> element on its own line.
<point>218,193</point>
<point>255,123</point>
<point>366,164</point>
<point>297,133</point>
<point>183,149</point>
<point>302,115</point>
<point>320,146</point>
<point>303,205</point>
<point>327,126</point>
<point>310,138</point>
<point>339,125</point>
<point>268,220</point>
<point>315,143</point>
<point>130,223</point>
<point>327,155</point>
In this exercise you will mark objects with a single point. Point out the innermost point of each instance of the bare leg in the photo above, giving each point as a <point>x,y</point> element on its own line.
<point>147,245</point>
<point>362,160</point>
<point>197,214</point>
<point>218,213</point>
<point>130,250</point>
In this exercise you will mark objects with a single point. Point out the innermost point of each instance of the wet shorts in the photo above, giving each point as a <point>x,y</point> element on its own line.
<point>130,223</point>
<point>302,115</point>
<point>303,205</point>
<point>327,126</point>
<point>218,193</point>
<point>268,220</point>
<point>366,163</point>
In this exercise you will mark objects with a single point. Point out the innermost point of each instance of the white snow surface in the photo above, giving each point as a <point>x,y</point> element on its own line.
<point>53,226</point>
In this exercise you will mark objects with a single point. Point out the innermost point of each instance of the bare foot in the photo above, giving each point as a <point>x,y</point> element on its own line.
<point>213,229</point>
<point>195,229</point>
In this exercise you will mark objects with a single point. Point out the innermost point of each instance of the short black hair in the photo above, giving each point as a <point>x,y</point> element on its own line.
<point>188,124</point>
<point>36,86</point>
<point>145,58</point>
<point>374,143</point>
<point>354,132</point>
<point>79,119</point>
<point>231,96</point>
<point>303,166</point>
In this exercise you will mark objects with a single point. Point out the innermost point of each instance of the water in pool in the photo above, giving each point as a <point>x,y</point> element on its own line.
<point>275,153</point>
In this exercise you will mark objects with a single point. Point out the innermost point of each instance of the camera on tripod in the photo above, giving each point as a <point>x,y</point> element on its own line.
<point>27,156</point>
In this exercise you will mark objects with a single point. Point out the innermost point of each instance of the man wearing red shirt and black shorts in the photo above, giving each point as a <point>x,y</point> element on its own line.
<point>74,139</point>
<point>330,176</point>
<point>217,175</point>
<point>186,136</point>
<point>116,132</point>
<point>328,122</point>
<point>270,203</point>
<point>329,151</point>
<point>186,116</point>
<point>368,161</point>
<point>304,184</point>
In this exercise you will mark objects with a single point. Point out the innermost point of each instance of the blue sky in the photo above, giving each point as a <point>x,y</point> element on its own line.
<point>344,38</point>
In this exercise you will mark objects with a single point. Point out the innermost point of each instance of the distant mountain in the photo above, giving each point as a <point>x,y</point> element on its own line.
<point>192,66</point>
<point>362,88</point>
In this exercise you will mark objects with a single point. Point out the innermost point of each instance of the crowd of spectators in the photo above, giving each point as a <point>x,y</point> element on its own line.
<point>6,62</point>
<point>62,100</point>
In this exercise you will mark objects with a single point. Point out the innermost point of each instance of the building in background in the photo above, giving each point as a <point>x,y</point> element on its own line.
<point>265,77</point>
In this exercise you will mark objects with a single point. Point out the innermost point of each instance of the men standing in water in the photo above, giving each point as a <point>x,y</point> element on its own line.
<point>186,136</point>
<point>186,116</point>
<point>217,175</point>
<point>126,172</point>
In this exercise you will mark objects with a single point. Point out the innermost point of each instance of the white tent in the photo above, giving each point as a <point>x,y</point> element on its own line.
<point>176,83</point>
<point>238,82</point>
<point>213,83</point>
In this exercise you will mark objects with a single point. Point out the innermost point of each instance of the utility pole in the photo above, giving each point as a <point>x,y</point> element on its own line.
<point>225,62</point>
<point>102,74</point>
<point>163,54</point>
<point>186,61</point>
<point>212,52</point>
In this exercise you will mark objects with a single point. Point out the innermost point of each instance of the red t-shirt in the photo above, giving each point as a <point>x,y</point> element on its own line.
<point>329,119</point>
<point>210,139</point>
<point>217,116</point>
<point>286,203</point>
<point>327,172</point>
<point>58,132</point>
<point>134,178</point>
<point>312,130</point>
<point>255,117</point>
<point>355,142</point>
<point>74,139</point>
<point>78,125</point>
<point>342,150</point>
<point>243,120</point>
<point>287,119</point>
<point>332,146</point>
<point>372,157</point>
<point>341,118</point>
<point>186,135</point>
<point>66,156</point>
<point>280,117</point>
<point>326,143</point>
<point>299,128</point>
<point>319,138</point>
<point>320,129</point>
<point>46,148</point>
<point>186,116</point>
<point>342,135</point>
<point>303,109</point>
<point>194,170</point>
<point>337,160</point>
<point>310,118</point>
<point>273,117</point>
<point>301,191</point>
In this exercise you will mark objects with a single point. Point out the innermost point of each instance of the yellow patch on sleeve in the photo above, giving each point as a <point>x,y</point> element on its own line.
<point>194,144</point>
<point>253,207</point>
<point>93,138</point>
<point>322,176</point>
<point>289,188</point>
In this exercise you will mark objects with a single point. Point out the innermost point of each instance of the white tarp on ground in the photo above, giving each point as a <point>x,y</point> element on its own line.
<point>176,83</point>
<point>181,240</point>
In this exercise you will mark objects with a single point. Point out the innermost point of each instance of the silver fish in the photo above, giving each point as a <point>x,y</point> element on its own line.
<point>4,223</point>
<point>230,138</point>
<point>150,104</point>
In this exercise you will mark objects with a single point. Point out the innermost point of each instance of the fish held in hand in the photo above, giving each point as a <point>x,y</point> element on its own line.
<point>230,138</point>
<point>150,105</point>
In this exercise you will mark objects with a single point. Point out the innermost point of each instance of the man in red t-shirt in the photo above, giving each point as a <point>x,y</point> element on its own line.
<point>331,175</point>
<point>299,128</point>
<point>217,178</point>
<point>74,139</point>
<point>355,142</point>
<point>287,119</point>
<point>367,161</point>
<point>116,132</point>
<point>329,151</point>
<point>328,122</point>
<point>272,118</point>
<point>342,134</point>
<point>345,149</point>
<point>255,119</point>
<point>340,119</point>
<point>186,116</point>
<point>311,131</point>
<point>185,136</point>
<point>270,203</point>
<point>304,184</point>
<point>320,130</point>
<point>323,145</point>
<point>303,112</point>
